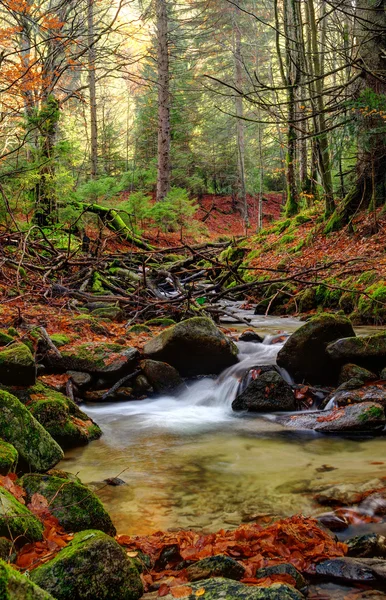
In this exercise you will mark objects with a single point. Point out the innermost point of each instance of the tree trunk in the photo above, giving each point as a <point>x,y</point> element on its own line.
<point>164,134</point>
<point>92,89</point>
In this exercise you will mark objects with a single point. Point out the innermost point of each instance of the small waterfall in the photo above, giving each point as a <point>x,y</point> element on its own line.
<point>203,403</point>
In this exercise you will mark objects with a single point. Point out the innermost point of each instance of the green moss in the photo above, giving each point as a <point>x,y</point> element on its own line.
<point>34,444</point>
<point>286,239</point>
<point>367,278</point>
<point>301,219</point>
<point>13,332</point>
<point>93,567</point>
<point>16,520</point>
<point>161,322</point>
<point>60,339</point>
<point>8,458</point>
<point>139,329</point>
<point>97,286</point>
<point>17,354</point>
<point>372,307</point>
<point>374,412</point>
<point>5,338</point>
<point>15,586</point>
<point>335,223</point>
<point>112,313</point>
<point>72,503</point>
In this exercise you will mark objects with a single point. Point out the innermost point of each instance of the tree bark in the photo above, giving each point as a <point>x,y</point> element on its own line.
<point>164,132</point>
<point>92,89</point>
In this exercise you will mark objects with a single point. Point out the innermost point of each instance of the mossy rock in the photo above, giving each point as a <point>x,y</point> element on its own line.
<point>5,339</point>
<point>113,313</point>
<point>347,302</point>
<point>15,586</point>
<point>304,354</point>
<point>74,505</point>
<point>59,415</point>
<point>17,365</point>
<point>307,300</point>
<point>226,589</point>
<point>372,306</point>
<point>351,371</point>
<point>194,347</point>
<point>13,332</point>
<point>367,351</point>
<point>37,449</point>
<point>16,521</point>
<point>160,322</point>
<point>8,458</point>
<point>60,339</point>
<point>139,329</point>
<point>7,550</point>
<point>92,567</point>
<point>104,359</point>
<point>283,569</point>
<point>216,566</point>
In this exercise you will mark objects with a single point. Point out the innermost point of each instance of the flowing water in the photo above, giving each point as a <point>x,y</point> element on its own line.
<point>190,462</point>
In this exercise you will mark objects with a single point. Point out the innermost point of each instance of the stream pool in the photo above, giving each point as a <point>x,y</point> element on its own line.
<point>189,462</point>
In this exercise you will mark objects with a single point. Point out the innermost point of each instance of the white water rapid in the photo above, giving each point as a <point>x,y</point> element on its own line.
<point>202,404</point>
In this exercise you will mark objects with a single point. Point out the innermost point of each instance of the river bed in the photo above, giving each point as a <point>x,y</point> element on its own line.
<point>190,462</point>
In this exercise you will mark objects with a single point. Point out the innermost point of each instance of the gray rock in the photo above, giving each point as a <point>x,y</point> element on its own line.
<point>269,392</point>
<point>369,393</point>
<point>368,351</point>
<point>17,365</point>
<point>369,545</point>
<point>348,493</point>
<point>351,371</point>
<point>353,569</point>
<point>163,377</point>
<point>194,347</point>
<point>93,567</point>
<point>215,566</point>
<point>225,589</point>
<point>304,354</point>
<point>365,416</point>
<point>283,569</point>
<point>81,380</point>
<point>250,336</point>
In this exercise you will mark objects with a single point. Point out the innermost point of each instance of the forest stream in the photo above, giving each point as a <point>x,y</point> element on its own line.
<point>189,461</point>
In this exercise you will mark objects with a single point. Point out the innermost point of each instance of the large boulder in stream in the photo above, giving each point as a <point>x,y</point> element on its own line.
<point>226,589</point>
<point>37,449</point>
<point>74,505</point>
<point>194,347</point>
<point>268,393</point>
<point>304,354</point>
<point>93,567</point>
<point>163,378</point>
<point>366,416</point>
<point>368,351</point>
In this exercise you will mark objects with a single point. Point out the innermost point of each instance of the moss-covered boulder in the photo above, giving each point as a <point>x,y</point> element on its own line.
<point>59,415</point>
<point>17,365</point>
<point>304,354</point>
<point>92,567</point>
<point>162,377</point>
<point>368,351</point>
<point>216,566</point>
<point>194,347</point>
<point>267,393</point>
<point>8,458</point>
<point>16,521</point>
<point>113,313</point>
<point>351,371</point>
<point>15,586</point>
<point>226,589</point>
<point>105,359</point>
<point>37,450</point>
<point>365,416</point>
<point>74,505</point>
<point>5,338</point>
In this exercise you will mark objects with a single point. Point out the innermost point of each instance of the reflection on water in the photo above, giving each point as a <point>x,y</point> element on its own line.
<point>189,462</point>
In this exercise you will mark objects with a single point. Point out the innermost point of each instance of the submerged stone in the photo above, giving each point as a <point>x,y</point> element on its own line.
<point>36,448</point>
<point>269,392</point>
<point>304,354</point>
<point>93,567</point>
<point>74,505</point>
<point>17,365</point>
<point>15,586</point>
<point>194,347</point>
<point>225,589</point>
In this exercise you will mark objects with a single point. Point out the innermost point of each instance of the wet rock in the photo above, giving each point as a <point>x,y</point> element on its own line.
<point>74,505</point>
<point>369,545</point>
<point>283,569</point>
<point>375,504</point>
<point>347,494</point>
<point>114,481</point>
<point>225,589</point>
<point>304,354</point>
<point>59,415</point>
<point>215,566</point>
<point>332,521</point>
<point>16,521</point>
<point>17,365</point>
<point>8,458</point>
<point>123,394</point>
<point>16,586</point>
<point>350,371</point>
<point>366,416</point>
<point>269,392</point>
<point>250,336</point>
<point>353,569</point>
<point>194,347</point>
<point>81,380</point>
<point>369,393</point>
<point>104,359</point>
<point>93,567</point>
<point>142,386</point>
<point>163,377</point>
<point>36,448</point>
<point>368,351</point>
